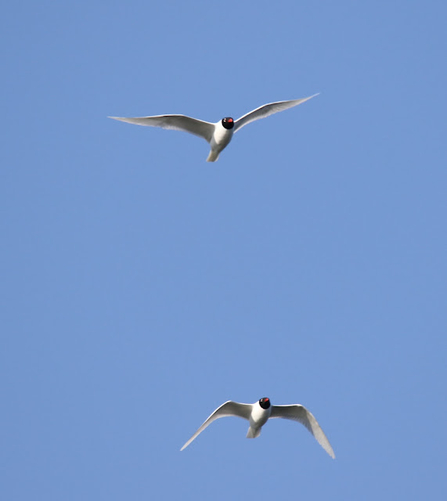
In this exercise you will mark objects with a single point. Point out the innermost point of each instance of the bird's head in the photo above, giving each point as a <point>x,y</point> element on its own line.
<point>228,123</point>
<point>264,402</point>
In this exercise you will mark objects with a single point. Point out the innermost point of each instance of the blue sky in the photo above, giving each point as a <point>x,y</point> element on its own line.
<point>142,287</point>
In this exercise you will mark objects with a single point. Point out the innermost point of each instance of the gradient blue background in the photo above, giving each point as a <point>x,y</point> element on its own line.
<point>142,287</point>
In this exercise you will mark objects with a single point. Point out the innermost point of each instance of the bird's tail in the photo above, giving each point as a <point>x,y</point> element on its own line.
<point>213,156</point>
<point>253,432</point>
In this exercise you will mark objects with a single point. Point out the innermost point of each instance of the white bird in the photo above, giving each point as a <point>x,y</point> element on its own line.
<point>218,134</point>
<point>259,413</point>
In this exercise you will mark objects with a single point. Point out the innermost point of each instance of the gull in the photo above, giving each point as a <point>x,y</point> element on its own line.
<point>218,134</point>
<point>260,412</point>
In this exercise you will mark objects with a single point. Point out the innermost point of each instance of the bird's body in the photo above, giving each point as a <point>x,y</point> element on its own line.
<point>260,412</point>
<point>218,134</point>
<point>221,139</point>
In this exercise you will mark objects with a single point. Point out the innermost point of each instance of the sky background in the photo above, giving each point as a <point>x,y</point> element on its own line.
<point>142,287</point>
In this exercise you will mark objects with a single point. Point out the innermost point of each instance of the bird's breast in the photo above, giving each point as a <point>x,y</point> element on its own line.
<point>259,416</point>
<point>221,137</point>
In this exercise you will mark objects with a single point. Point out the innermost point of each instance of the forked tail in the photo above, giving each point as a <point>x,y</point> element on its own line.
<point>253,432</point>
<point>213,156</point>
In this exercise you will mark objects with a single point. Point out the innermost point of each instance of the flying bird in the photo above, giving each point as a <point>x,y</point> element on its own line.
<point>258,414</point>
<point>218,134</point>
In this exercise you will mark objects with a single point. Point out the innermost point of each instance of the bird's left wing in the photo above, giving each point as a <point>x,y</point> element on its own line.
<point>302,415</point>
<point>174,122</point>
<point>229,408</point>
<point>267,110</point>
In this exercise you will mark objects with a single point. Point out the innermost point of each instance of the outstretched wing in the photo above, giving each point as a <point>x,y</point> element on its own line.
<point>229,408</point>
<point>175,122</point>
<point>267,110</point>
<point>302,415</point>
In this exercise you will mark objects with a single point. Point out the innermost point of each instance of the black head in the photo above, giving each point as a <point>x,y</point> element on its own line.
<point>264,403</point>
<point>228,123</point>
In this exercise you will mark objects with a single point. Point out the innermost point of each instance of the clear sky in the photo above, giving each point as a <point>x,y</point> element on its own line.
<point>141,287</point>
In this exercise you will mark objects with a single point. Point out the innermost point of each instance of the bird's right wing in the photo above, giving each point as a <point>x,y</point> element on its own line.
<point>266,110</point>
<point>302,415</point>
<point>175,122</point>
<point>229,408</point>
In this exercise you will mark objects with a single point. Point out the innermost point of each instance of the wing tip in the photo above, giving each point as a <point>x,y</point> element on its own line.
<point>188,442</point>
<point>326,446</point>
<point>310,97</point>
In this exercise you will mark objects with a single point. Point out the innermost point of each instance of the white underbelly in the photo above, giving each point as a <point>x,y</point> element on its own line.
<point>221,138</point>
<point>259,416</point>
